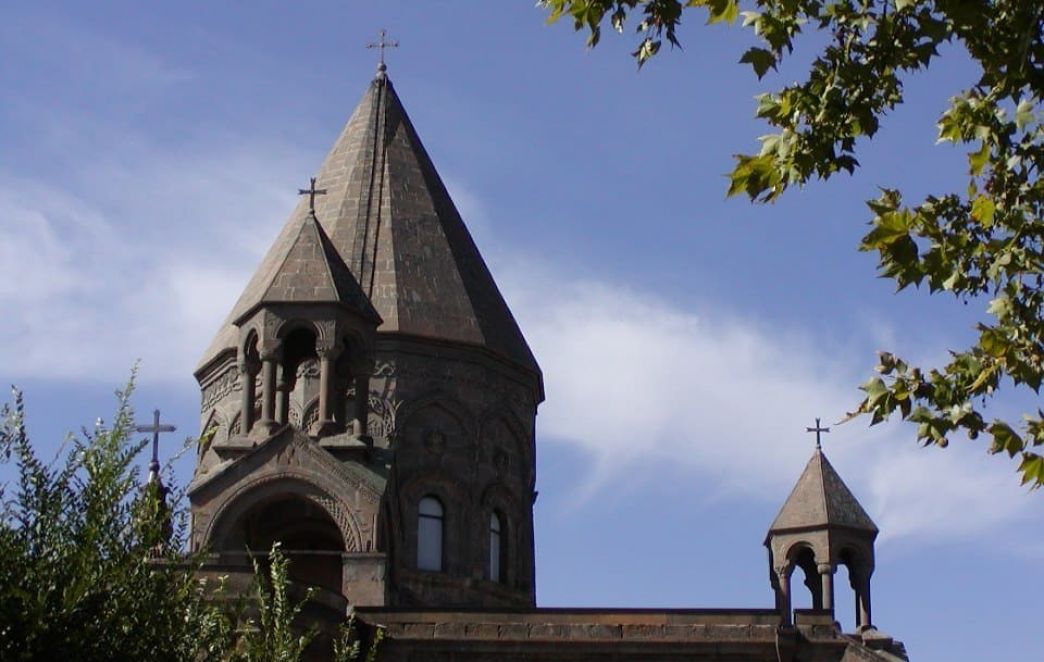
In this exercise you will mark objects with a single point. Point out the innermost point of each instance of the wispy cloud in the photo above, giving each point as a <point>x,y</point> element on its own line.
<point>91,283</point>
<point>645,387</point>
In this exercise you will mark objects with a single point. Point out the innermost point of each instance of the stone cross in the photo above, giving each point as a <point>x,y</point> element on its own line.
<point>818,429</point>
<point>311,192</point>
<point>381,44</point>
<point>155,429</point>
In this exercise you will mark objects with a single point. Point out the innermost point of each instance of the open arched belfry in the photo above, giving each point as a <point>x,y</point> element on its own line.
<point>369,404</point>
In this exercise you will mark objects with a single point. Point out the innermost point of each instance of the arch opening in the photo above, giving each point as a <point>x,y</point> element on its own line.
<point>306,534</point>
<point>300,377</point>
<point>854,610</point>
<point>805,559</point>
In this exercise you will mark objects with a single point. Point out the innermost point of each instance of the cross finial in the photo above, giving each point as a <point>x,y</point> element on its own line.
<point>155,429</point>
<point>818,429</point>
<point>311,192</point>
<point>380,45</point>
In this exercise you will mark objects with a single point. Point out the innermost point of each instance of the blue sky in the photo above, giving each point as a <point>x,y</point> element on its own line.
<point>149,153</point>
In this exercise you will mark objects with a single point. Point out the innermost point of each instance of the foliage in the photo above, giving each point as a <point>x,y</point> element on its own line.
<point>85,572</point>
<point>983,242</point>
<point>348,645</point>
<point>273,637</point>
<point>92,567</point>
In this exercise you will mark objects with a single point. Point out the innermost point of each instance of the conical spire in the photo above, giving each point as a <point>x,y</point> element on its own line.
<point>391,221</point>
<point>313,272</point>
<point>821,500</point>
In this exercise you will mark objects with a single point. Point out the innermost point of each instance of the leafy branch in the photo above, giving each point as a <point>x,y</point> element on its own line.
<point>983,242</point>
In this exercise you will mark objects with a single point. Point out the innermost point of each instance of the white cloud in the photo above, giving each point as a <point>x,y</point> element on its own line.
<point>90,283</point>
<point>647,388</point>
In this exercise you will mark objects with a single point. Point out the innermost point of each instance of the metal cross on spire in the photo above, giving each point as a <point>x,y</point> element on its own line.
<point>155,429</point>
<point>311,192</point>
<point>380,45</point>
<point>818,429</point>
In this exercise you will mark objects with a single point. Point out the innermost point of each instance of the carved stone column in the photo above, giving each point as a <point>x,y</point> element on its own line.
<point>284,385</point>
<point>783,595</point>
<point>826,572</point>
<point>326,423</point>
<point>247,375</point>
<point>269,364</point>
<point>360,417</point>
<point>362,368</point>
<point>861,584</point>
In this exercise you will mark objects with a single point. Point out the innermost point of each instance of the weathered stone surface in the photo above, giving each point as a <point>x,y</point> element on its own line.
<point>819,499</point>
<point>390,218</point>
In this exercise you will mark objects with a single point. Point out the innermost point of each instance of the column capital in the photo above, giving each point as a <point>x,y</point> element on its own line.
<point>328,350</point>
<point>272,353</point>
<point>826,568</point>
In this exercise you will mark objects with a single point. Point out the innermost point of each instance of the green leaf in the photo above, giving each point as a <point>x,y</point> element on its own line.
<point>983,209</point>
<point>993,342</point>
<point>999,307</point>
<point>648,48</point>
<point>1005,439</point>
<point>977,160</point>
<point>722,10</point>
<point>1032,469</point>
<point>760,59</point>
<point>903,4</point>
<point>1023,114</point>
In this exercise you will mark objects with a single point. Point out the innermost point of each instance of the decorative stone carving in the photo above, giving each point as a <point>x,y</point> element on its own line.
<point>216,390</point>
<point>383,412</point>
<point>308,369</point>
<point>346,522</point>
<point>311,417</point>
<point>382,416</point>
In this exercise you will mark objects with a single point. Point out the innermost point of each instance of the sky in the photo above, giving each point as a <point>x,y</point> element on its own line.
<point>150,152</point>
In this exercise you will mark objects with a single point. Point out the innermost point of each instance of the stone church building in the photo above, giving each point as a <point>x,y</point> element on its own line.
<point>373,406</point>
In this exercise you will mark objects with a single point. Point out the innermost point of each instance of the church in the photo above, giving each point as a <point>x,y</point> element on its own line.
<point>371,403</point>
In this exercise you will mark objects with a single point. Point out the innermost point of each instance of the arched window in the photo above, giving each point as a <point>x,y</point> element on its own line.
<point>429,534</point>
<point>495,547</point>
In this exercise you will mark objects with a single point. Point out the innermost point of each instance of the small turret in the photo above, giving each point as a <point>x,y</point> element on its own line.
<point>821,526</point>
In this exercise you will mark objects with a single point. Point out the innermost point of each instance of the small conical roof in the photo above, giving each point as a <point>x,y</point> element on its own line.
<point>821,500</point>
<point>392,222</point>
<point>311,271</point>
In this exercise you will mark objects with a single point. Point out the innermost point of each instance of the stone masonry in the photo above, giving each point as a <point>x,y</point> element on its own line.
<point>370,405</point>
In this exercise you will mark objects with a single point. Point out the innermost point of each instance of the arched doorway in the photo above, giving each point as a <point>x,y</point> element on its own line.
<point>306,533</point>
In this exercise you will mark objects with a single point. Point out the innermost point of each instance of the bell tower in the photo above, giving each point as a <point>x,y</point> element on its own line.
<point>370,399</point>
<point>820,528</point>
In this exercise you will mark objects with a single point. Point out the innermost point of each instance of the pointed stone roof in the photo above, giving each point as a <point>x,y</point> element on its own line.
<point>392,222</point>
<point>311,271</point>
<point>821,500</point>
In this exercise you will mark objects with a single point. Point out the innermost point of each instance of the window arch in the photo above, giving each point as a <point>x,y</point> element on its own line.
<point>430,525</point>
<point>497,548</point>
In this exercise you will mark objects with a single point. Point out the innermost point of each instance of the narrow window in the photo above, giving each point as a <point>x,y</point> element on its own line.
<point>494,547</point>
<point>429,534</point>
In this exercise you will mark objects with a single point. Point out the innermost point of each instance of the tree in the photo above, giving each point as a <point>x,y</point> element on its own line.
<point>85,570</point>
<point>983,243</point>
<point>92,565</point>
